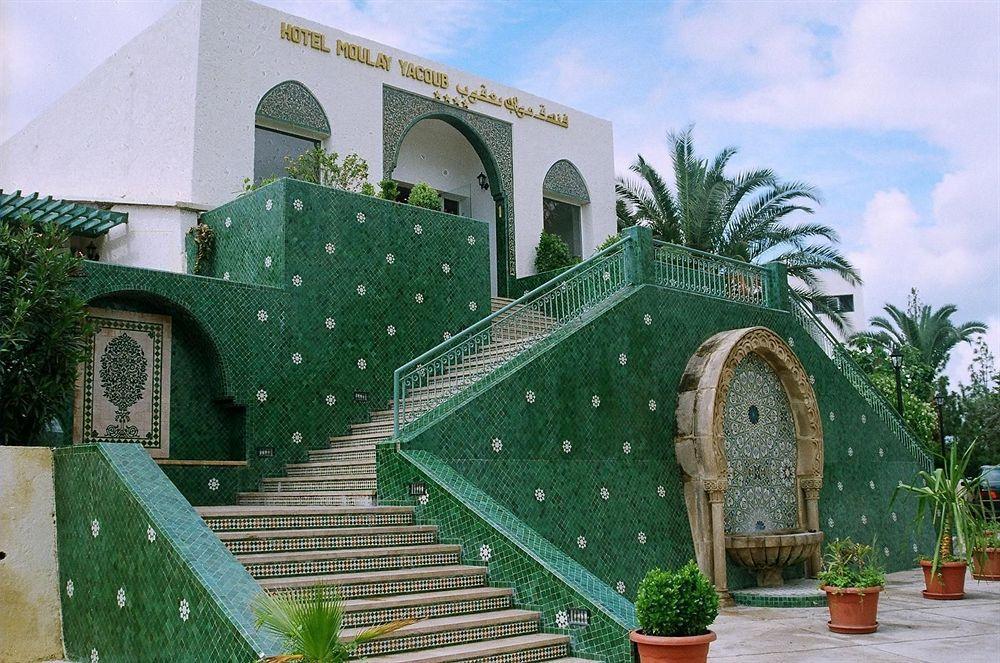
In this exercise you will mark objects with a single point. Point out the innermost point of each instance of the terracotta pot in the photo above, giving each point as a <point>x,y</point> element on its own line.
<point>852,609</point>
<point>986,564</point>
<point>948,584</point>
<point>686,649</point>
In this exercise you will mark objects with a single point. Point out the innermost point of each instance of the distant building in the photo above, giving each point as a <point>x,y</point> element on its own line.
<point>846,298</point>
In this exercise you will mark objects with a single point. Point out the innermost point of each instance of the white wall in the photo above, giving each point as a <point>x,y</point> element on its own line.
<point>170,118</point>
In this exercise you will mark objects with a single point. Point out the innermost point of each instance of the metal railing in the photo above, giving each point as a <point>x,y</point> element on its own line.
<point>840,357</point>
<point>702,273</point>
<point>443,372</point>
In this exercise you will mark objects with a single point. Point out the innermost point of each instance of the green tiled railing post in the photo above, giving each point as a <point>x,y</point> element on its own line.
<point>777,286</point>
<point>641,254</point>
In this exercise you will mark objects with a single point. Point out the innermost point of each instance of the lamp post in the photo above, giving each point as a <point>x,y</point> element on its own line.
<point>896,357</point>
<point>939,402</point>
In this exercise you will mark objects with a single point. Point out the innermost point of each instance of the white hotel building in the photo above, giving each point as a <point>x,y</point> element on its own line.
<point>216,92</point>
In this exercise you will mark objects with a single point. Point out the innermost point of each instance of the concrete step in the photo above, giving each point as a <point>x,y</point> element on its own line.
<point>534,647</point>
<point>381,610</point>
<point>381,583</point>
<point>331,469</point>
<point>245,518</point>
<point>449,631</point>
<point>353,560</point>
<point>313,498</point>
<point>314,483</point>
<point>330,538</point>
<point>355,440</point>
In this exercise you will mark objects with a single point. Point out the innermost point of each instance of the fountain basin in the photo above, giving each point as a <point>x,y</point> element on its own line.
<point>767,553</point>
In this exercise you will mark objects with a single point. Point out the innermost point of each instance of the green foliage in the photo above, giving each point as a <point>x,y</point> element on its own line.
<point>388,189</point>
<point>972,413</point>
<point>424,195</point>
<point>674,604</point>
<point>310,628</point>
<point>204,242</point>
<point>943,494</point>
<point>43,328</point>
<point>249,185</point>
<point>931,332</point>
<point>743,216</point>
<point>608,241</point>
<point>850,564</point>
<point>321,167</point>
<point>552,253</point>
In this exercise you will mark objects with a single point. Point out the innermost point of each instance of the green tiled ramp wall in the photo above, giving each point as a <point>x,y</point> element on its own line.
<point>578,442</point>
<point>141,576</point>
<point>543,577</point>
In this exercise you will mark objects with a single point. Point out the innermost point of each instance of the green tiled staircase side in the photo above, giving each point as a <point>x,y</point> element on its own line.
<point>355,286</point>
<point>141,576</point>
<point>578,441</point>
<point>544,578</point>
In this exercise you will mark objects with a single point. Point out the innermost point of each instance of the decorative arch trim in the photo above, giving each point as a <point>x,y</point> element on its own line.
<point>564,179</point>
<point>290,106</point>
<point>700,441</point>
<point>492,140</point>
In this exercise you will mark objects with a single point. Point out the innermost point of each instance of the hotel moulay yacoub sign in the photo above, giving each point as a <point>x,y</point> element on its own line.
<point>464,96</point>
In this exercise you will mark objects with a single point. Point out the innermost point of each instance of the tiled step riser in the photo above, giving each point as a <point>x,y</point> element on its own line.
<point>278,486</point>
<point>351,565</point>
<point>334,454</point>
<point>365,618</point>
<point>299,544</point>
<point>391,588</point>
<point>390,645</point>
<point>277,499</point>
<point>305,521</point>
<point>366,470</point>
<point>528,655</point>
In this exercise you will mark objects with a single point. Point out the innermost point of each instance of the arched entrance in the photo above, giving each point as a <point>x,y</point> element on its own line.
<point>492,141</point>
<point>749,442</point>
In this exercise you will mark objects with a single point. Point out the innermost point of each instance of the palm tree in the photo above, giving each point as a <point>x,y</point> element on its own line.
<point>930,331</point>
<point>741,217</point>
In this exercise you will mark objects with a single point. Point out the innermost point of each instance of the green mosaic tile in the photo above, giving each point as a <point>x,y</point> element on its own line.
<point>795,594</point>
<point>543,577</point>
<point>141,576</point>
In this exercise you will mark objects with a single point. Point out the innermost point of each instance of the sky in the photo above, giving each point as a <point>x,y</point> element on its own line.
<point>892,109</point>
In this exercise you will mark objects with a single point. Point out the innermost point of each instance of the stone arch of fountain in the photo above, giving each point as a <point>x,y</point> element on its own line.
<point>750,446</point>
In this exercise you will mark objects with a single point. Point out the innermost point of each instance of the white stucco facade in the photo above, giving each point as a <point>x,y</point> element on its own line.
<point>165,127</point>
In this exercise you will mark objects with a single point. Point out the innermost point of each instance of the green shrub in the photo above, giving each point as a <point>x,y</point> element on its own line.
<point>424,195</point>
<point>552,253</point>
<point>850,564</point>
<point>43,328</point>
<point>321,167</point>
<point>674,604</point>
<point>388,189</point>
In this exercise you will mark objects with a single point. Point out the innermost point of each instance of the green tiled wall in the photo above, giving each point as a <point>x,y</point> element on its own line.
<point>313,296</point>
<point>543,577</point>
<point>141,576</point>
<point>578,442</point>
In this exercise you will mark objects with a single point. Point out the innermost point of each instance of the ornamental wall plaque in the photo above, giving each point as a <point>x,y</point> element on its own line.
<point>123,386</point>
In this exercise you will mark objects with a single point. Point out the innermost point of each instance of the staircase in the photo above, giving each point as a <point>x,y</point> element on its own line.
<point>320,525</point>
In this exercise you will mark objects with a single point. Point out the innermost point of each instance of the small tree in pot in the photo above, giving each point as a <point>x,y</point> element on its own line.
<point>944,496</point>
<point>675,610</point>
<point>852,582</point>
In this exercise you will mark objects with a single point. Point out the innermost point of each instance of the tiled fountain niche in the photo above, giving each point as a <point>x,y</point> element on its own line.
<point>750,445</point>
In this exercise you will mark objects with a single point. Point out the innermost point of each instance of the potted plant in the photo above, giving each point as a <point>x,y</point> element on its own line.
<point>852,582</point>
<point>986,554</point>
<point>310,628</point>
<point>944,496</point>
<point>675,609</point>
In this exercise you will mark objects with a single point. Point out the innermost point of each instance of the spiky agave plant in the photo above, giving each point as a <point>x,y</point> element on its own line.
<point>945,497</point>
<point>310,628</point>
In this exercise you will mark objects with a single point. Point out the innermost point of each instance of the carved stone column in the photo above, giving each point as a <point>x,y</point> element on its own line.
<point>716,489</point>
<point>810,489</point>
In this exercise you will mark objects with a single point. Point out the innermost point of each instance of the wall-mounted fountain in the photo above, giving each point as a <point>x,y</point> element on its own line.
<point>750,444</point>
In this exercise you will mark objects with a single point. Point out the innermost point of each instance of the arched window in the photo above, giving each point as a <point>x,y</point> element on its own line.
<point>289,121</point>
<point>563,194</point>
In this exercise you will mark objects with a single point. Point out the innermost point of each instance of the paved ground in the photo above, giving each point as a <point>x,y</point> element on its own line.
<point>911,628</point>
